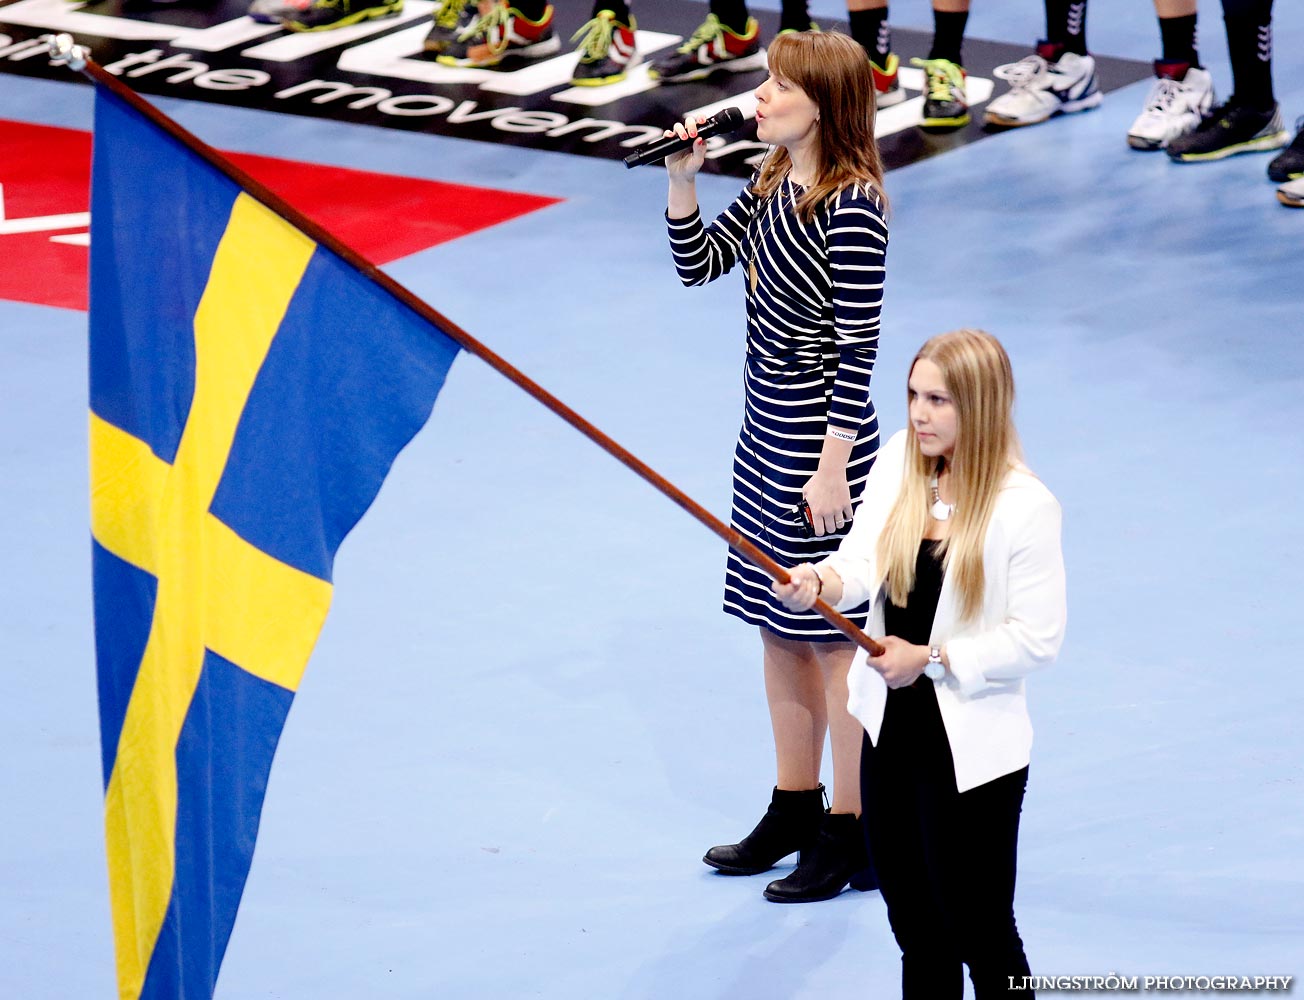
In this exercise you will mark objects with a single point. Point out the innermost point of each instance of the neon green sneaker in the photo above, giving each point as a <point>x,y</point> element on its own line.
<point>607,50</point>
<point>946,103</point>
<point>323,15</point>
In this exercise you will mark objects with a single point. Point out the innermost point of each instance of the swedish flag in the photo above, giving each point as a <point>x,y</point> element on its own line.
<point>249,392</point>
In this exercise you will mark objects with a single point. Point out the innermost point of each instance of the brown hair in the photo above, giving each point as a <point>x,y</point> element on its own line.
<point>833,71</point>
<point>980,381</point>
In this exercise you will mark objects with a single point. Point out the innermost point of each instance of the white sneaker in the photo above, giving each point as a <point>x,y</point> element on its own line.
<point>1291,194</point>
<point>1175,105</point>
<point>1041,87</point>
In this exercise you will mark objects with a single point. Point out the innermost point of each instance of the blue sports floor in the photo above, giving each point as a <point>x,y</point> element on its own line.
<point>527,718</point>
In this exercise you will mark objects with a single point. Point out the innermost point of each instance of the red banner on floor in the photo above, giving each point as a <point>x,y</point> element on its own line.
<point>45,204</point>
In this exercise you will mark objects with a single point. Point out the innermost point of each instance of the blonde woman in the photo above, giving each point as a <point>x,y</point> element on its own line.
<point>809,237</point>
<point>957,545</point>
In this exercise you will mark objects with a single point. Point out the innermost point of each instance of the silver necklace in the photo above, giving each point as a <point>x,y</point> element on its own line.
<point>940,511</point>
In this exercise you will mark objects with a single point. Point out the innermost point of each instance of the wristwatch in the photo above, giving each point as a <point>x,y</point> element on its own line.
<point>934,670</point>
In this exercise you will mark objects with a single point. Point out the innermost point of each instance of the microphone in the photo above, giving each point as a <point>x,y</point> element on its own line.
<point>720,123</point>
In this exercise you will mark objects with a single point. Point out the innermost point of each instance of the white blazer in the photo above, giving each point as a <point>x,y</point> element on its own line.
<point>1019,628</point>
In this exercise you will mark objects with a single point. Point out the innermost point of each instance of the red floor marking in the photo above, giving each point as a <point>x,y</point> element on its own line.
<point>45,171</point>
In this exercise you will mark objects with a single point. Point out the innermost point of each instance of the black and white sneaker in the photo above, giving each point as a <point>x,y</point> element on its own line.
<point>1231,128</point>
<point>1288,165</point>
<point>1181,96</point>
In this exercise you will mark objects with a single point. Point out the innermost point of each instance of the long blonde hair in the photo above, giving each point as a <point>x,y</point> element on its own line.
<point>980,382</point>
<point>833,71</point>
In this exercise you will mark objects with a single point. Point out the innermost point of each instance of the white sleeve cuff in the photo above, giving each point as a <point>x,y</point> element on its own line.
<point>963,668</point>
<point>854,593</point>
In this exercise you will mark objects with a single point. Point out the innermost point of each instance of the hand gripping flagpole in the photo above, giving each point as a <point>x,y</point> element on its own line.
<point>65,52</point>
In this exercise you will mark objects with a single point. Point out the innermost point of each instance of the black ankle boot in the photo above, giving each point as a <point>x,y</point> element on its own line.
<point>790,824</point>
<point>837,857</point>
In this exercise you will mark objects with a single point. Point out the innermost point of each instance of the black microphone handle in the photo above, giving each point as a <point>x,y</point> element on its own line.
<point>721,123</point>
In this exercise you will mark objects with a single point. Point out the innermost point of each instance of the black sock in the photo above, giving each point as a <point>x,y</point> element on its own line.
<point>870,29</point>
<point>795,16</point>
<point>1066,24</point>
<point>1178,34</point>
<point>1249,43</point>
<point>948,35</point>
<point>617,7</point>
<point>732,14</point>
<point>533,9</point>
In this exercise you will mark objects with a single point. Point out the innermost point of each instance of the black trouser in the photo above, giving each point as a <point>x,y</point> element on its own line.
<point>945,859</point>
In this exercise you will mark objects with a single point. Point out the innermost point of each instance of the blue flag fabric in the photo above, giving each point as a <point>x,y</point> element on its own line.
<point>249,392</point>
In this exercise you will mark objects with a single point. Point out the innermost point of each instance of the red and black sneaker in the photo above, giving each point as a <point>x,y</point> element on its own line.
<point>887,86</point>
<point>712,48</point>
<point>501,32</point>
<point>606,49</point>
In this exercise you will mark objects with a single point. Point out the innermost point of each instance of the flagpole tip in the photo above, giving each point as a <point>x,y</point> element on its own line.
<point>65,52</point>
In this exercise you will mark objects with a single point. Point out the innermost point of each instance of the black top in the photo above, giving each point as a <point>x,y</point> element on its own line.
<point>914,622</point>
<point>912,723</point>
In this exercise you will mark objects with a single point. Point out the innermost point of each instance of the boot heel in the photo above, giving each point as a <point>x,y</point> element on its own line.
<point>864,881</point>
<point>838,856</point>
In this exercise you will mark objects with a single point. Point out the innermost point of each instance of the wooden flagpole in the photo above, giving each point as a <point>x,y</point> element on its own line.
<point>64,51</point>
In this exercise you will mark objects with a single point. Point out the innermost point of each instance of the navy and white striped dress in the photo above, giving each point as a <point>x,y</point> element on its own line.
<point>812,337</point>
